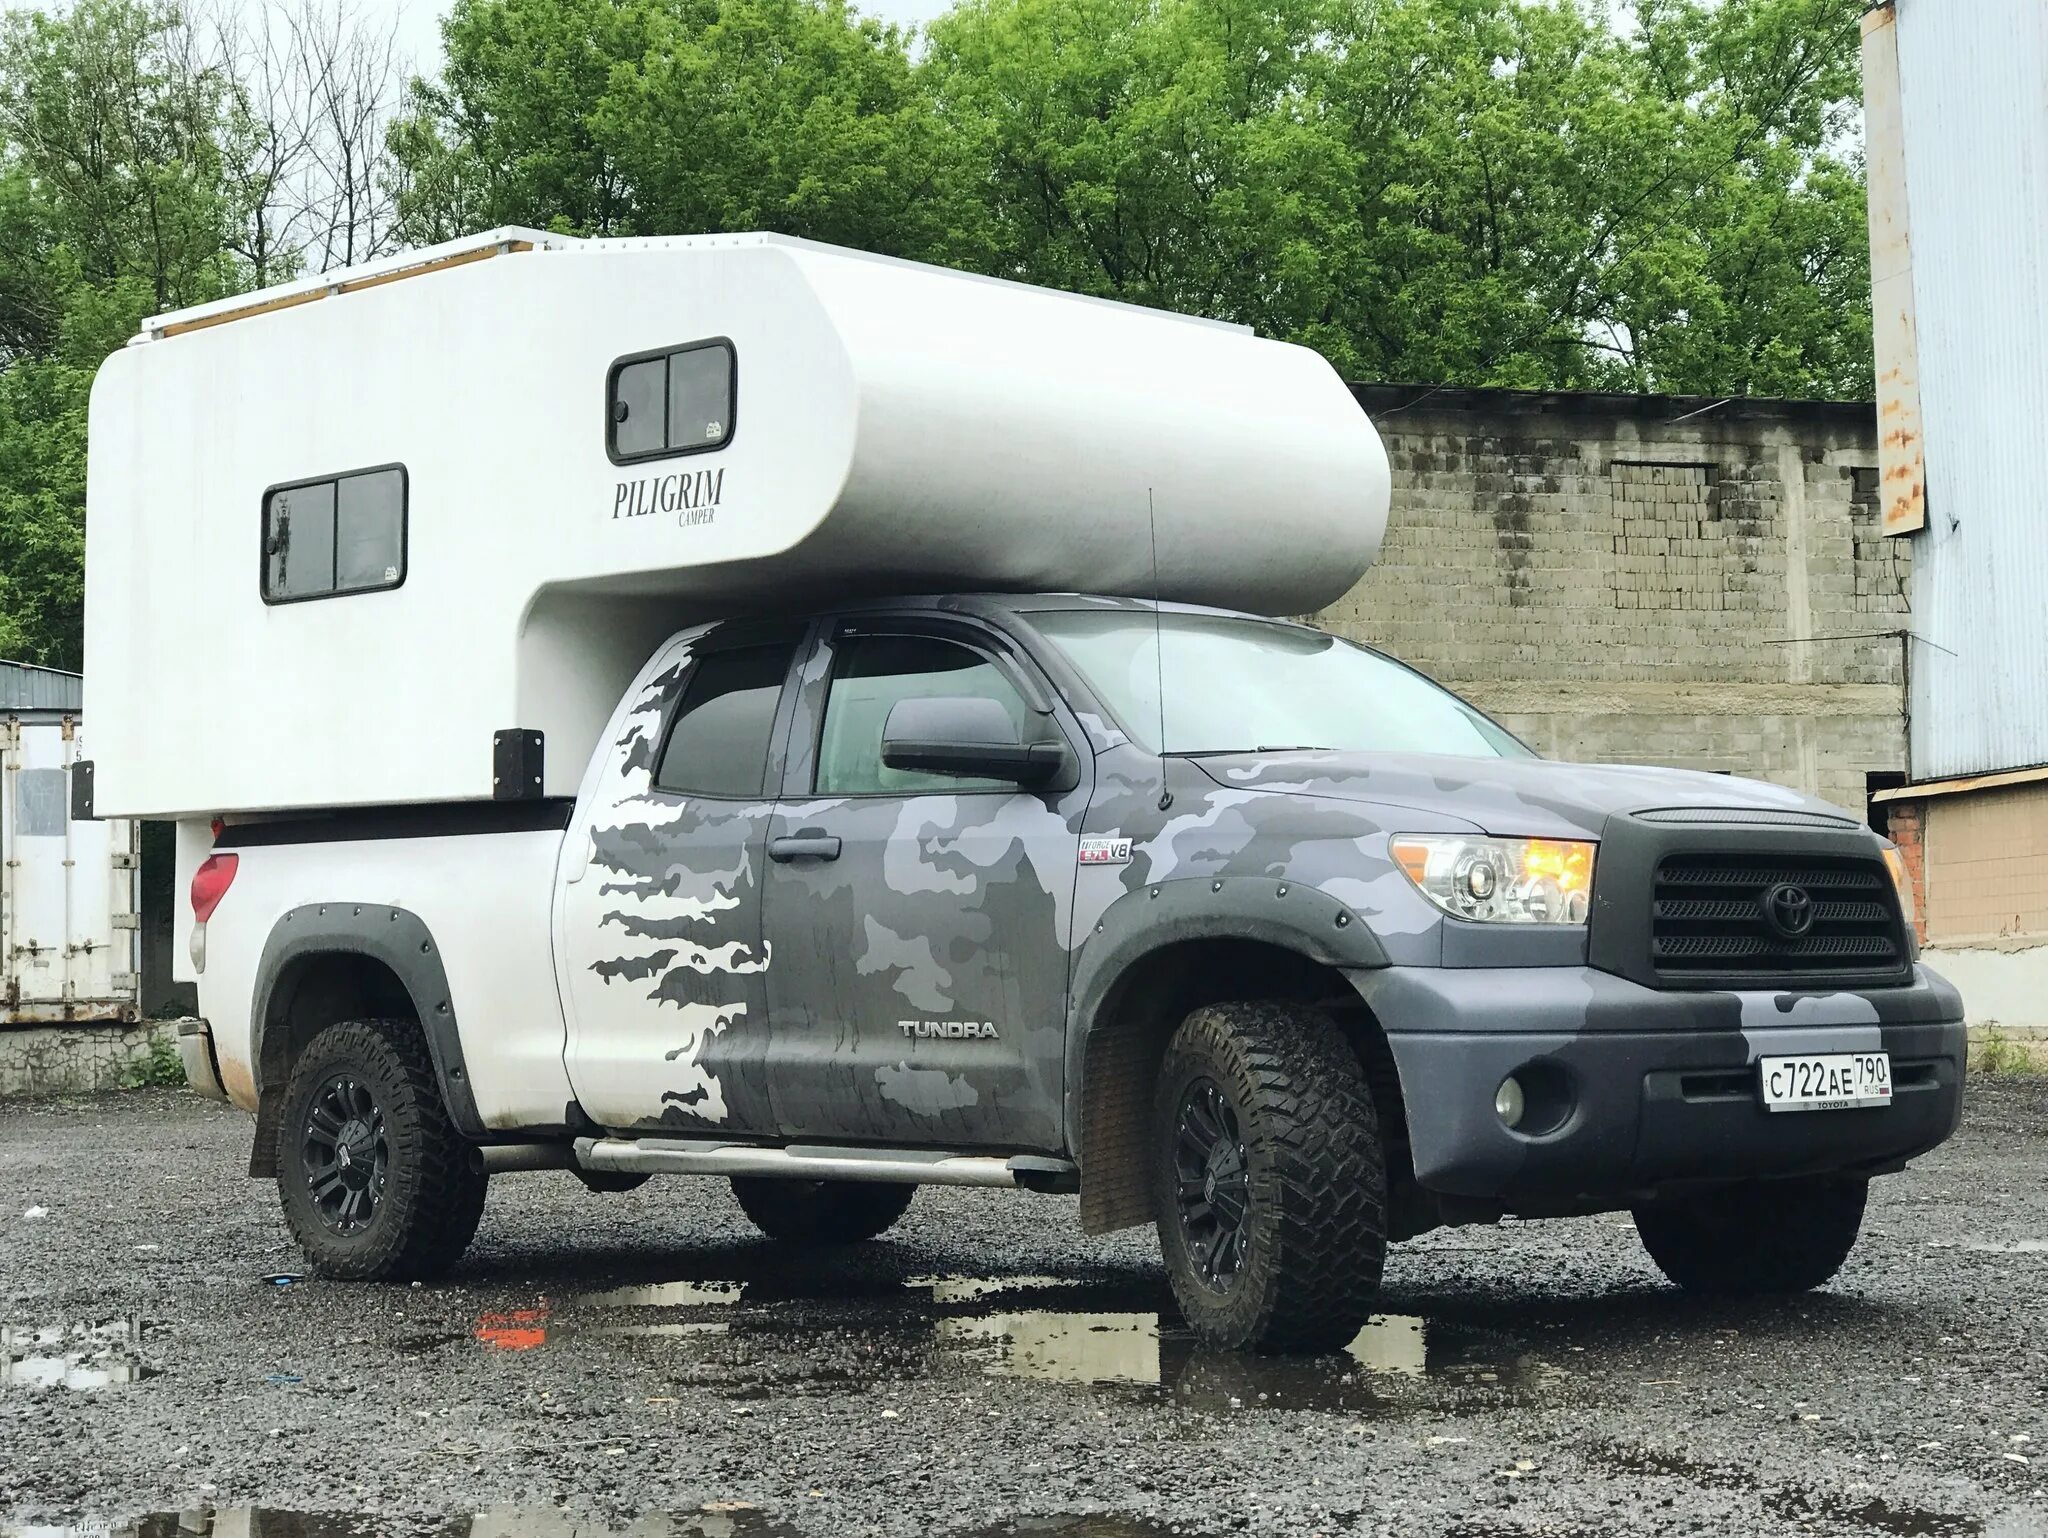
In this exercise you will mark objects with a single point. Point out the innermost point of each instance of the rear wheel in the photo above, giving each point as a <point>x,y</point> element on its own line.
<point>1269,1181</point>
<point>1779,1236</point>
<point>821,1211</point>
<point>376,1182</point>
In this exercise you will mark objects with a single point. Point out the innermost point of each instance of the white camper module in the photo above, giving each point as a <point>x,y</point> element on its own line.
<point>401,534</point>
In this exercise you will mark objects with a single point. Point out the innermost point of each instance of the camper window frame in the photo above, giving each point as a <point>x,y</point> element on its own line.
<point>732,390</point>
<point>335,477</point>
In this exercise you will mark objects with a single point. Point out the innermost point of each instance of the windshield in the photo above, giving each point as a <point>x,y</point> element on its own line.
<point>1244,685</point>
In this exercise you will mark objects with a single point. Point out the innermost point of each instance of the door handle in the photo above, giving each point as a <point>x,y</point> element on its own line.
<point>806,844</point>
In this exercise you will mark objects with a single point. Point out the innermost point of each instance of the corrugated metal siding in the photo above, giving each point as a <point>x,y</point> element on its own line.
<point>1974,89</point>
<point>23,687</point>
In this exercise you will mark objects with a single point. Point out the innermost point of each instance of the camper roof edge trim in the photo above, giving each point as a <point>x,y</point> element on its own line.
<point>384,269</point>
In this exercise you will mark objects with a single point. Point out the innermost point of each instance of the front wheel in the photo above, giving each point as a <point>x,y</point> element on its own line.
<point>1269,1179</point>
<point>1780,1236</point>
<point>821,1211</point>
<point>376,1182</point>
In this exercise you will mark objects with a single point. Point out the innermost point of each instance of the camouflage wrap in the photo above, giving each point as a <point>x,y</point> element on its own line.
<point>948,913</point>
<point>668,968</point>
<point>941,982</point>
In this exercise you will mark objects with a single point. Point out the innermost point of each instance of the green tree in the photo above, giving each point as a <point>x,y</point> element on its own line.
<point>638,117</point>
<point>1506,192</point>
<point>111,206</point>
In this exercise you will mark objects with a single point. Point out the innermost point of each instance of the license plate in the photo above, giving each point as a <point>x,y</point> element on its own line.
<point>1826,1081</point>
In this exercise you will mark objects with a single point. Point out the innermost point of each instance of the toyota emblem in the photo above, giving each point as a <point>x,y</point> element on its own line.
<point>1788,909</point>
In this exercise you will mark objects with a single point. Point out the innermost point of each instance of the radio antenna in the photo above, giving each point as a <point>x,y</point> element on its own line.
<point>1158,650</point>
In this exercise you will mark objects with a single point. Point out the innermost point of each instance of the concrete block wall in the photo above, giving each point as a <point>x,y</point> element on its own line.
<point>75,1059</point>
<point>1647,579</point>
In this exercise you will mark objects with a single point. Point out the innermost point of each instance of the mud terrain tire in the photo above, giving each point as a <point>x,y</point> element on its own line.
<point>369,1084</point>
<point>1778,1236</point>
<point>1299,1156</point>
<point>821,1211</point>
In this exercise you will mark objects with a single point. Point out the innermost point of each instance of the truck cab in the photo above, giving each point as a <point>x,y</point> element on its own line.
<point>1229,925</point>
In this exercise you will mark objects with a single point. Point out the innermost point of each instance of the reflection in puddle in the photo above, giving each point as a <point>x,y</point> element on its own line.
<point>1059,1348</point>
<point>519,1330</point>
<point>720,1519</point>
<point>971,1289</point>
<point>1118,1335</point>
<point>1112,1335</point>
<point>77,1356</point>
<point>666,1295</point>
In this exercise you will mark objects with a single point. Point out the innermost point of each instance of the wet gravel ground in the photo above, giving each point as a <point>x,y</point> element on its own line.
<point>644,1363</point>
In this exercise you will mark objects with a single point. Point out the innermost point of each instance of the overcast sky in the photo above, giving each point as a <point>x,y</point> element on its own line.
<point>419,32</point>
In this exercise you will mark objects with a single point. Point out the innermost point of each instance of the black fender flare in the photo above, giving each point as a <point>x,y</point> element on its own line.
<point>397,938</point>
<point>1149,918</point>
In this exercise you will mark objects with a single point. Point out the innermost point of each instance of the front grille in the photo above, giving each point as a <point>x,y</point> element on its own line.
<point>1710,918</point>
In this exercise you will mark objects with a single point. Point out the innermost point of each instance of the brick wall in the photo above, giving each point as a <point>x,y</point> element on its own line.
<point>1647,579</point>
<point>1987,864</point>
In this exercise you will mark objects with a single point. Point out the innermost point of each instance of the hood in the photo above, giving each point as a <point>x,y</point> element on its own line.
<point>1512,797</point>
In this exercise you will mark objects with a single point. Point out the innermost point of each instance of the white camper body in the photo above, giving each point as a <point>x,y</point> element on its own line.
<point>68,929</point>
<point>518,544</point>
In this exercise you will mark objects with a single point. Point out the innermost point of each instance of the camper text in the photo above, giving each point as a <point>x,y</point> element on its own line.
<point>690,494</point>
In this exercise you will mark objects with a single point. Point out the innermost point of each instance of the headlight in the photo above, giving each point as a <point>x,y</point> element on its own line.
<point>1896,864</point>
<point>1501,880</point>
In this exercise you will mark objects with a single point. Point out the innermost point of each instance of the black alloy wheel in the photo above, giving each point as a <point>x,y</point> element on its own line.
<point>1213,1195</point>
<point>346,1154</point>
<point>376,1182</point>
<point>1269,1182</point>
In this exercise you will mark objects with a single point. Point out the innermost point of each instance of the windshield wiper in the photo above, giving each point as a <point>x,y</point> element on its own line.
<point>1300,747</point>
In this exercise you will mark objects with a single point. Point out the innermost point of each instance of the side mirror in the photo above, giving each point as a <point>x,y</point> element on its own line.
<point>968,736</point>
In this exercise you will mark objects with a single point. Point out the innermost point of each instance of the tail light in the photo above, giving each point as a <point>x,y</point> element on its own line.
<point>210,884</point>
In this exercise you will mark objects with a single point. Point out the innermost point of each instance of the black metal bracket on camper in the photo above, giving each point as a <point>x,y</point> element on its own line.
<point>81,791</point>
<point>516,756</point>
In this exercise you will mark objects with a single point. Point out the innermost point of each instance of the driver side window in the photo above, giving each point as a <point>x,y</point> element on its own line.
<point>870,674</point>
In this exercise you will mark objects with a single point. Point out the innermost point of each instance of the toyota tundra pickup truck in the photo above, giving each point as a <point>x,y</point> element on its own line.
<point>565,789</point>
<point>1303,956</point>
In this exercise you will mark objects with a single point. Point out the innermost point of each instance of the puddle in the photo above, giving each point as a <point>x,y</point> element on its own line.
<point>1872,1514</point>
<point>721,1519</point>
<point>1117,1336</point>
<point>74,1356</point>
<point>666,1295</point>
<point>1058,1348</point>
<point>972,1289</point>
<point>1797,1506</point>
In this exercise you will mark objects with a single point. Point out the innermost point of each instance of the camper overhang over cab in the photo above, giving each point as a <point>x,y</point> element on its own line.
<point>349,537</point>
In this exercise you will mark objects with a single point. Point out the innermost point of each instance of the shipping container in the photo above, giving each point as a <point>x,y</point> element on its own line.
<point>67,887</point>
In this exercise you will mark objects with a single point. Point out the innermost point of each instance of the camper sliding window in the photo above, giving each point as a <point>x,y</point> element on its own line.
<point>338,534</point>
<point>676,400</point>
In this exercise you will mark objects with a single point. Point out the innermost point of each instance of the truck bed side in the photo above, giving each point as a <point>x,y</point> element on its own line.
<point>483,897</point>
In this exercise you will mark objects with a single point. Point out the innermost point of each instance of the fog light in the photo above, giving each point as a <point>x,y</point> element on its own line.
<point>1508,1102</point>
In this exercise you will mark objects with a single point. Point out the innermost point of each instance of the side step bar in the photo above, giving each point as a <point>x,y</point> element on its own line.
<point>798,1161</point>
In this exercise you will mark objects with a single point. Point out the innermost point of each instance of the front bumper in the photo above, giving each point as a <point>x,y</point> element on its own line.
<point>1662,1085</point>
